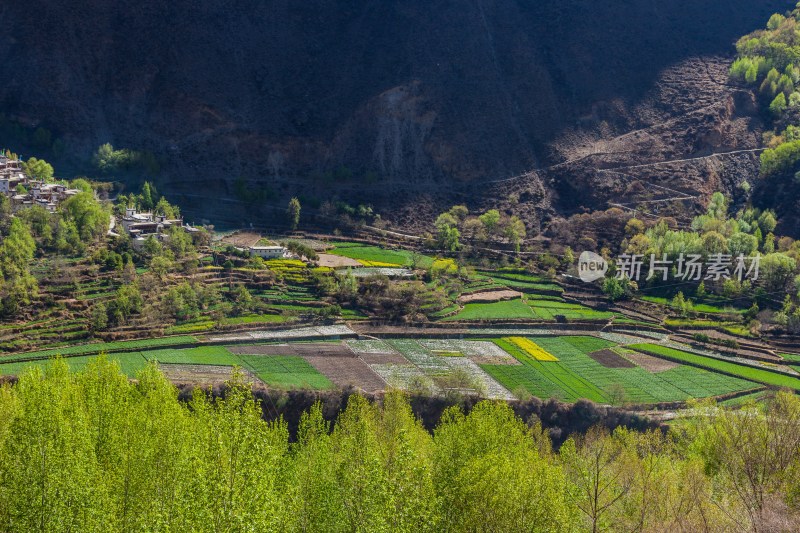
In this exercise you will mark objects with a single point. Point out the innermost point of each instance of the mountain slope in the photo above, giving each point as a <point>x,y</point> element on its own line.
<point>400,102</point>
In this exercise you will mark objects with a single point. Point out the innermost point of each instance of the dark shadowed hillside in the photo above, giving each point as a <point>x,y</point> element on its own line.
<point>403,102</point>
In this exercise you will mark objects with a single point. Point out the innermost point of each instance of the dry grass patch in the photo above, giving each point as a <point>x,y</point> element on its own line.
<point>490,296</point>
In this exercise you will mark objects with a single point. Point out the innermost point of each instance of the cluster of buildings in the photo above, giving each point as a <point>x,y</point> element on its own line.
<point>142,226</point>
<point>26,192</point>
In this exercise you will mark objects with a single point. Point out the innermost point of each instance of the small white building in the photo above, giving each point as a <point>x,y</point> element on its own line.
<point>267,252</point>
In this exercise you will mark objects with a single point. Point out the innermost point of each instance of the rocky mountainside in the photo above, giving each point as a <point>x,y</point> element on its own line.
<point>405,104</point>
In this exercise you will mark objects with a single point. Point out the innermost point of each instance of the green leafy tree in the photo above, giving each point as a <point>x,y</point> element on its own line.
<point>447,233</point>
<point>778,105</point>
<point>91,219</point>
<point>293,213</point>
<point>38,169</point>
<point>491,221</point>
<point>515,232</point>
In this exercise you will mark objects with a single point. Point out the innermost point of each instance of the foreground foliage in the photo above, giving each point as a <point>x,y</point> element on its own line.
<point>94,452</point>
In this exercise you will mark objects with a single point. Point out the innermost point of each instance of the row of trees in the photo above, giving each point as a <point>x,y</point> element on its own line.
<point>770,60</point>
<point>747,234</point>
<point>95,452</point>
<point>456,223</point>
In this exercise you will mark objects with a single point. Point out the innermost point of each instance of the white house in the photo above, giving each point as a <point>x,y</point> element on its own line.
<point>267,252</point>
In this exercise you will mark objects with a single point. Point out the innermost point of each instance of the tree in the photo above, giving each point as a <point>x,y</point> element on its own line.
<point>778,105</point>
<point>490,220</point>
<point>633,227</point>
<point>242,299</point>
<point>149,196</point>
<point>98,320</point>
<point>568,257</point>
<point>492,473</point>
<point>163,207</point>
<point>777,270</point>
<point>293,213</point>
<point>515,232</point>
<point>82,185</point>
<point>160,266</point>
<point>596,468</point>
<point>447,233</point>
<point>742,244</point>
<point>38,169</point>
<point>618,289</point>
<point>459,212</point>
<point>89,216</point>
<point>126,302</point>
<point>718,206</point>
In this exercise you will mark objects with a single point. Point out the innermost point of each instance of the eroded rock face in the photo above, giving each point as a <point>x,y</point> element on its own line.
<point>403,103</point>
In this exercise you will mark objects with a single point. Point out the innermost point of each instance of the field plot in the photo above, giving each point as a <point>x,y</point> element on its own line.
<point>753,374</point>
<point>370,346</point>
<point>197,374</point>
<point>507,309</point>
<point>521,281</point>
<point>336,261</point>
<point>379,257</point>
<point>130,363</point>
<point>202,355</point>
<point>577,375</point>
<point>405,377</point>
<point>648,362</point>
<point>383,358</point>
<point>531,348</point>
<point>420,356</point>
<point>285,371</point>
<point>490,296</point>
<point>98,347</point>
<point>324,349</point>
<point>374,351</point>
<point>347,371</point>
<point>611,359</point>
<point>549,310</point>
<point>481,352</point>
<point>490,387</point>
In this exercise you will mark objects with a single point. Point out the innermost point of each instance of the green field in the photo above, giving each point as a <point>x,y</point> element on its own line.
<point>753,374</point>
<point>791,357</point>
<point>130,363</point>
<point>702,307</point>
<point>86,349</point>
<point>254,319</point>
<point>531,308</point>
<point>546,309</point>
<point>576,376</point>
<point>362,252</point>
<point>521,281</point>
<point>202,355</point>
<point>285,371</point>
<point>507,309</point>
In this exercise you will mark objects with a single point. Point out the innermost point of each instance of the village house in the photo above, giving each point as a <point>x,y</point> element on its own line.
<point>11,175</point>
<point>268,252</point>
<point>46,195</point>
<point>142,226</point>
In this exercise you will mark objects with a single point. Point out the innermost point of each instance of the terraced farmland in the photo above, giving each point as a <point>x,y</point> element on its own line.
<point>568,367</point>
<point>576,375</point>
<point>285,371</point>
<point>504,310</point>
<point>202,355</point>
<point>374,256</point>
<point>753,374</point>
